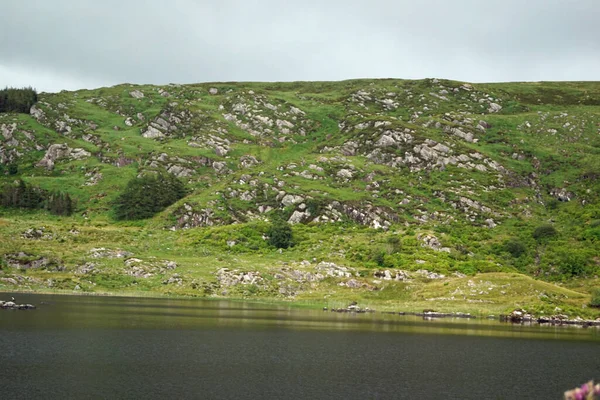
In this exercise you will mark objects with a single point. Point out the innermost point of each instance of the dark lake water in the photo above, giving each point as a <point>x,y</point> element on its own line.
<point>131,348</point>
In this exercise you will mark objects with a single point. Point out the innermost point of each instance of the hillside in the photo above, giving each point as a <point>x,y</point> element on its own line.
<point>401,194</point>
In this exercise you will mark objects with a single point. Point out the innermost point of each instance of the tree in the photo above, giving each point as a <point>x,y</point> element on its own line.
<point>515,248</point>
<point>280,234</point>
<point>17,100</point>
<point>544,232</point>
<point>24,195</point>
<point>145,196</point>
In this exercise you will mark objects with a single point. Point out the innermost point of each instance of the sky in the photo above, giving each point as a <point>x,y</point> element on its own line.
<point>56,45</point>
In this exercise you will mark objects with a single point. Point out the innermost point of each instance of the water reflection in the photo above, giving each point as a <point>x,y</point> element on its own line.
<point>70,312</point>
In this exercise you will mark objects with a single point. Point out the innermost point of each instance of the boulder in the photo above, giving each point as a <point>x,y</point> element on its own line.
<point>494,108</point>
<point>136,94</point>
<point>290,199</point>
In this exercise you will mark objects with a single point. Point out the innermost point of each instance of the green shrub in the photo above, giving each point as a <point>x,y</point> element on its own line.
<point>595,299</point>
<point>573,264</point>
<point>515,248</point>
<point>544,232</point>
<point>280,234</point>
<point>393,245</point>
<point>12,169</point>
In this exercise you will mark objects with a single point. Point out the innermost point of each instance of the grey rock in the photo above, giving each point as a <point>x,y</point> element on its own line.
<point>494,108</point>
<point>136,94</point>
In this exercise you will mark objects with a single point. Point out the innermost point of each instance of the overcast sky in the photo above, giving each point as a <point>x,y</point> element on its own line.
<point>71,44</point>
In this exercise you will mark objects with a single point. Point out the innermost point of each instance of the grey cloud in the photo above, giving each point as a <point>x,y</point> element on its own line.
<point>152,41</point>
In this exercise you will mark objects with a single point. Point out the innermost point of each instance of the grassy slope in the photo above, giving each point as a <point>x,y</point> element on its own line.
<point>545,137</point>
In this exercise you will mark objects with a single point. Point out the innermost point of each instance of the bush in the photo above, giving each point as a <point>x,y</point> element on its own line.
<point>393,245</point>
<point>280,234</point>
<point>595,299</point>
<point>144,197</point>
<point>544,232</point>
<point>573,264</point>
<point>17,100</point>
<point>515,248</point>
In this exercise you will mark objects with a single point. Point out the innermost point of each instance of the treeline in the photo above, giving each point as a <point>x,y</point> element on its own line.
<point>26,196</point>
<point>145,196</point>
<point>17,100</point>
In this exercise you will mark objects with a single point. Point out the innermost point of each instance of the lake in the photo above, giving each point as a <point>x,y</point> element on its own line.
<point>88,347</point>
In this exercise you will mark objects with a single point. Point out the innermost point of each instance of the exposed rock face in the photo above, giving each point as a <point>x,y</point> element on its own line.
<point>430,275</point>
<point>153,133</point>
<point>101,252</point>
<point>298,216</point>
<point>86,269</point>
<point>37,234</point>
<point>248,161</point>
<point>37,113</point>
<point>136,94</point>
<point>333,270</point>
<point>494,108</point>
<point>170,122</point>
<point>290,199</point>
<point>562,194</point>
<point>144,269</point>
<point>23,260</point>
<point>60,151</point>
<point>397,275</point>
<point>433,243</point>
<point>190,218</point>
<point>227,277</point>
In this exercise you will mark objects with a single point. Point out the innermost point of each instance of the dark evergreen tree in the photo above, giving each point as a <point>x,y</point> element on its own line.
<point>145,196</point>
<point>23,195</point>
<point>280,234</point>
<point>17,100</point>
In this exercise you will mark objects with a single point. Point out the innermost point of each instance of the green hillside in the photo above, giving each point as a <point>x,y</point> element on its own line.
<point>402,195</point>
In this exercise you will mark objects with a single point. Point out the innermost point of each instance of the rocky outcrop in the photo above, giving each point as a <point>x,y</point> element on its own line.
<point>562,194</point>
<point>330,269</point>
<point>40,233</point>
<point>145,269</point>
<point>227,277</point>
<point>61,151</point>
<point>11,305</point>
<point>136,94</point>
<point>433,243</point>
<point>102,252</point>
<point>170,122</point>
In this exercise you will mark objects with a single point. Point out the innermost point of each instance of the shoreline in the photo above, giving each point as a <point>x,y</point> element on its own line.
<point>516,317</point>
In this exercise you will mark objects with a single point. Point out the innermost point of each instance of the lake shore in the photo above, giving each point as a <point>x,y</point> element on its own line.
<point>517,316</point>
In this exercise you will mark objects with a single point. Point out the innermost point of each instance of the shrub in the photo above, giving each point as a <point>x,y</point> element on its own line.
<point>378,257</point>
<point>280,234</point>
<point>393,245</point>
<point>573,264</point>
<point>595,299</point>
<point>544,232</point>
<point>144,197</point>
<point>515,248</point>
